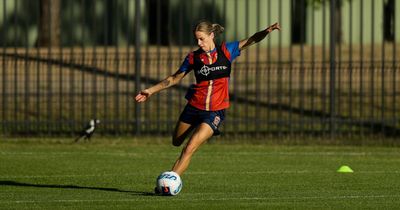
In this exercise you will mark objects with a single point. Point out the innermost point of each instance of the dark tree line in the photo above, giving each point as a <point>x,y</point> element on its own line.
<point>107,22</point>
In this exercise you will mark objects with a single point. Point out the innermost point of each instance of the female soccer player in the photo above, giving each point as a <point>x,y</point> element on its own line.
<point>209,97</point>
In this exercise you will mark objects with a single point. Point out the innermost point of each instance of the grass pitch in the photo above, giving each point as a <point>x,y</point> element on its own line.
<point>121,173</point>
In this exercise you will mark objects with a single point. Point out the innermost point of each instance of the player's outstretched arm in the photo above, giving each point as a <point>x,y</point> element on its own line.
<point>171,80</point>
<point>243,44</point>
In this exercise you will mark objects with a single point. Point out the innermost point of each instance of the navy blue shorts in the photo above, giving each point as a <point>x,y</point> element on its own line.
<point>194,116</point>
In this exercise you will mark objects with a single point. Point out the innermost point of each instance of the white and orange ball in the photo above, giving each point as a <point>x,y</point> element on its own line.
<point>169,183</point>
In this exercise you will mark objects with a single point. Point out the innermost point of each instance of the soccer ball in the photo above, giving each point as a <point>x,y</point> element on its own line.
<point>169,183</point>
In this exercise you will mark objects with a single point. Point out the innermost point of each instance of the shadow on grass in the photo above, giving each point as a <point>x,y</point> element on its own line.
<point>20,184</point>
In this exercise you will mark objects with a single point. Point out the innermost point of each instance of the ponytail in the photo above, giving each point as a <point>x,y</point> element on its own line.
<point>208,27</point>
<point>217,28</point>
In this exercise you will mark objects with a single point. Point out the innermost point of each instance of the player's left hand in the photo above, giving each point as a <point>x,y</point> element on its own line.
<point>273,27</point>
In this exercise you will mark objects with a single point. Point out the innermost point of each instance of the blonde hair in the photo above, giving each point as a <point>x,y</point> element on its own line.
<point>208,27</point>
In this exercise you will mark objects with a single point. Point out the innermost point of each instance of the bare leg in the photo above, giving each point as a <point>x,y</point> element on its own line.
<point>202,133</point>
<point>182,130</point>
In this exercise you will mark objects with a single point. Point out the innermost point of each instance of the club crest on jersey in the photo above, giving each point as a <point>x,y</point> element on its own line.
<point>205,70</point>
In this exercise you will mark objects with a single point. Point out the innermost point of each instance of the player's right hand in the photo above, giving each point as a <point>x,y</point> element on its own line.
<point>142,96</point>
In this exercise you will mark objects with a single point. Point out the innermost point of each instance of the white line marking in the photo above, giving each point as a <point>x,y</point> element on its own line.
<point>212,198</point>
<point>206,152</point>
<point>192,173</point>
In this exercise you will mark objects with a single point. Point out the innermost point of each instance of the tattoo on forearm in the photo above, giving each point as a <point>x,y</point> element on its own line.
<point>165,82</point>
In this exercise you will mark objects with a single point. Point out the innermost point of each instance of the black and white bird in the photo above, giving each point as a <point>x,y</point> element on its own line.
<point>89,130</point>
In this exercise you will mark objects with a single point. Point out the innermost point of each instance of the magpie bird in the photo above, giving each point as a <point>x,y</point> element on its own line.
<point>89,130</point>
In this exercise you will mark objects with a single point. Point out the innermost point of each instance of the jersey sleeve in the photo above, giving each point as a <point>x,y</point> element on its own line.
<point>187,64</point>
<point>233,49</point>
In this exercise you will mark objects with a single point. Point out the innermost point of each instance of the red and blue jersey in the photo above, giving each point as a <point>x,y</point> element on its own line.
<point>210,93</point>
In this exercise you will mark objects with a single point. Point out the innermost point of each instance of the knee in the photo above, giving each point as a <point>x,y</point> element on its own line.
<point>190,149</point>
<point>176,141</point>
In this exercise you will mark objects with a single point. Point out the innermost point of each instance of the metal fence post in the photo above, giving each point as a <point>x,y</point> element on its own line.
<point>332,69</point>
<point>137,61</point>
